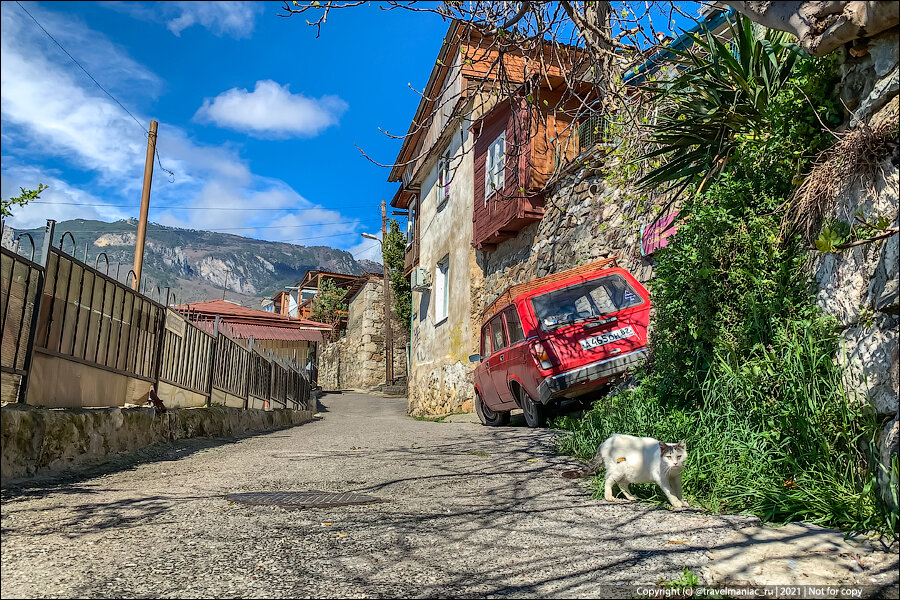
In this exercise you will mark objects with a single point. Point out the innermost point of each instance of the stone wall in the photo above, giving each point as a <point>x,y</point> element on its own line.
<point>589,216</point>
<point>356,361</point>
<point>38,439</point>
<point>859,285</point>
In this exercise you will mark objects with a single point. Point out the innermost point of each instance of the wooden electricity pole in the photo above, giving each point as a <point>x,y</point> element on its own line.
<point>388,330</point>
<point>145,206</point>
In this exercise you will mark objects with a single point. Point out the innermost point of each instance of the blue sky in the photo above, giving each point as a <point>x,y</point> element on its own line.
<point>254,113</point>
<point>258,119</point>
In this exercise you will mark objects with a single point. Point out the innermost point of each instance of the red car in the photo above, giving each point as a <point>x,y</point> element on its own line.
<point>567,335</point>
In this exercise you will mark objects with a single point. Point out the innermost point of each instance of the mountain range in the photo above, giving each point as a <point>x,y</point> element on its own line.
<point>194,264</point>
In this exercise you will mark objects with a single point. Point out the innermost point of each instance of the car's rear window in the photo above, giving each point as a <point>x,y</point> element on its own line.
<point>593,298</point>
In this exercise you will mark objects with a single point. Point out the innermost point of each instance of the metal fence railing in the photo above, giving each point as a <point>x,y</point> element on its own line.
<point>66,309</point>
<point>20,282</point>
<point>88,317</point>
<point>187,355</point>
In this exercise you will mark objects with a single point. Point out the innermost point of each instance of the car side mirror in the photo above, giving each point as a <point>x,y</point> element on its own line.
<point>474,358</point>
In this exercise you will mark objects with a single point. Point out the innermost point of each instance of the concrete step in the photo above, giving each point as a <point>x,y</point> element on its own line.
<point>393,390</point>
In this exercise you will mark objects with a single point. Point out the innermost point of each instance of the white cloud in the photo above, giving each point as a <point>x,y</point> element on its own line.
<point>35,214</point>
<point>44,93</point>
<point>271,110</point>
<point>53,114</point>
<point>236,19</point>
<point>232,18</point>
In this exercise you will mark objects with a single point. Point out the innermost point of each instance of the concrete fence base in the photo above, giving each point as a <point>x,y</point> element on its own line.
<point>39,440</point>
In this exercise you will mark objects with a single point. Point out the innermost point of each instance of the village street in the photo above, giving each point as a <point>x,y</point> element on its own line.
<point>466,511</point>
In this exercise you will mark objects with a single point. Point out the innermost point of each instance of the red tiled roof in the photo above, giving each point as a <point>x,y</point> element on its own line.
<point>235,313</point>
<point>262,332</point>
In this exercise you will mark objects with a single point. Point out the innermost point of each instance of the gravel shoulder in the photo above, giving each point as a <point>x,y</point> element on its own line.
<point>467,511</point>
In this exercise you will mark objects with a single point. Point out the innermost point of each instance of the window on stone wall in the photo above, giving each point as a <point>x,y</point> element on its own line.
<point>444,181</point>
<point>441,290</point>
<point>411,222</point>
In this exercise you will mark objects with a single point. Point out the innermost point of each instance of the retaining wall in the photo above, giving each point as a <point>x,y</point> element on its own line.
<point>40,440</point>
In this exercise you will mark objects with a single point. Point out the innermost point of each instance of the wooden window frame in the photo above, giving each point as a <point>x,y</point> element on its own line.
<point>495,167</point>
<point>442,297</point>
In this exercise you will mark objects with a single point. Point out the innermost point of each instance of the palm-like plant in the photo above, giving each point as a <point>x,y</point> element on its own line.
<point>719,96</point>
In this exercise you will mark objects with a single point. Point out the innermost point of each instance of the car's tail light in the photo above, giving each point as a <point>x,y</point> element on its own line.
<point>541,355</point>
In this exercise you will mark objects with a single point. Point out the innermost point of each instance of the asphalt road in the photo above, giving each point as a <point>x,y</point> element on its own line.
<point>465,511</point>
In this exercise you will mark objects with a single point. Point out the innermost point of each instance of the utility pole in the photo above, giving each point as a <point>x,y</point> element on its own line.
<point>145,205</point>
<point>225,286</point>
<point>388,330</point>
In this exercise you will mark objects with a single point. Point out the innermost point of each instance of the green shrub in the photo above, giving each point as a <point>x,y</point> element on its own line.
<point>743,362</point>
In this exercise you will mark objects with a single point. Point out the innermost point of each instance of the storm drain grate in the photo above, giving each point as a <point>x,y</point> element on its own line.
<point>310,499</point>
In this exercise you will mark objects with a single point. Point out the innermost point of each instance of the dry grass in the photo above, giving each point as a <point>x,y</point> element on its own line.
<point>855,157</point>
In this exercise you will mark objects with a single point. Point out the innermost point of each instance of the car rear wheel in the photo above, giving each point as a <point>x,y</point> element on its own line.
<point>535,412</point>
<point>487,416</point>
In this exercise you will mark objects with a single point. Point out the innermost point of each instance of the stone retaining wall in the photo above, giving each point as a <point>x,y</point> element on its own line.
<point>40,439</point>
<point>858,286</point>
<point>590,215</point>
<point>356,361</point>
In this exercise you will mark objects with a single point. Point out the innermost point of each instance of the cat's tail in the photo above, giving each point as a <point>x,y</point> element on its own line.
<point>591,468</point>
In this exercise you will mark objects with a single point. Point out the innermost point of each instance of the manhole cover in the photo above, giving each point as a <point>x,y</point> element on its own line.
<point>310,499</point>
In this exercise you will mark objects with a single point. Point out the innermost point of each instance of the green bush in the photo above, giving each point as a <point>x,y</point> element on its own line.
<point>743,362</point>
<point>772,434</point>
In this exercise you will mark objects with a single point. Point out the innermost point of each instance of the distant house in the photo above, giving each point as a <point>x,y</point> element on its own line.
<point>282,303</point>
<point>295,340</point>
<point>356,360</point>
<point>308,287</point>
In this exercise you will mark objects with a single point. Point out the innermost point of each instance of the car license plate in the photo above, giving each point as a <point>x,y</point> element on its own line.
<point>606,338</point>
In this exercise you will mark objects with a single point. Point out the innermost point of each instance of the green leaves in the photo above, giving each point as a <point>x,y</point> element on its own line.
<point>328,304</point>
<point>721,92</point>
<point>832,236</point>
<point>394,258</point>
<point>22,199</point>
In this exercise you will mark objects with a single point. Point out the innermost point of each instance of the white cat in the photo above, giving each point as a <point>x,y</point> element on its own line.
<point>630,459</point>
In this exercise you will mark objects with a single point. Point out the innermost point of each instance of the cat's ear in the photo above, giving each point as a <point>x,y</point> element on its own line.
<point>682,444</point>
<point>663,447</point>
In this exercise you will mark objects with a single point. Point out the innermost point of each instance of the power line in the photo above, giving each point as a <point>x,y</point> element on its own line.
<point>105,91</point>
<point>251,228</point>
<point>126,206</point>
<point>363,251</point>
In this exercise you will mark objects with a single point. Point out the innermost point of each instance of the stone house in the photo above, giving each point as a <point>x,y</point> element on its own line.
<point>495,197</point>
<point>356,359</point>
<point>436,169</point>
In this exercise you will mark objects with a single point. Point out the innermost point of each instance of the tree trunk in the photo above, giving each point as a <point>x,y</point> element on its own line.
<point>822,27</point>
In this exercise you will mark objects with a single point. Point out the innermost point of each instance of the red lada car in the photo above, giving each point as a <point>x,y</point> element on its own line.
<point>562,339</point>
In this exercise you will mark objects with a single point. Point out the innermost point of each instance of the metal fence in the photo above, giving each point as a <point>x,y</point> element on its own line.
<point>70,310</point>
<point>187,355</point>
<point>88,317</point>
<point>21,280</point>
